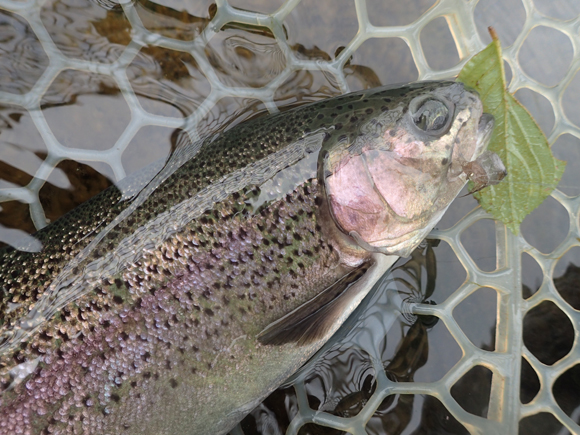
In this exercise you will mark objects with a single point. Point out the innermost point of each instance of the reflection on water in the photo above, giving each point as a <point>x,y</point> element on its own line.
<point>549,335</point>
<point>253,59</point>
<point>167,82</point>
<point>175,19</point>
<point>86,30</point>
<point>22,59</point>
<point>85,110</point>
<point>342,382</point>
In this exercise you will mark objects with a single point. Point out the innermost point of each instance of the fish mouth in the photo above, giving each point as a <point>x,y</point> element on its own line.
<point>484,131</point>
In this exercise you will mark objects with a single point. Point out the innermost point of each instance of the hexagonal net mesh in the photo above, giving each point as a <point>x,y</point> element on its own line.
<point>544,85</point>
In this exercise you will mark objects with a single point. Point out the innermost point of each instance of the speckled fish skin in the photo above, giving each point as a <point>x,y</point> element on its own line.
<point>141,316</point>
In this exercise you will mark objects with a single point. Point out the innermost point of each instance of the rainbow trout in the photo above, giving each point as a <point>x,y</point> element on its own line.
<point>175,305</point>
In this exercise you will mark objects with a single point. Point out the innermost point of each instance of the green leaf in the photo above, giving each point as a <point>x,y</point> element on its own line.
<point>533,172</point>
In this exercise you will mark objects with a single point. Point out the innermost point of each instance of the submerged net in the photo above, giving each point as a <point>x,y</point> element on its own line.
<point>374,377</point>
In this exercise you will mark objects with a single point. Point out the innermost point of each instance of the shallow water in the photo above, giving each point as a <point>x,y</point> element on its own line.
<point>89,113</point>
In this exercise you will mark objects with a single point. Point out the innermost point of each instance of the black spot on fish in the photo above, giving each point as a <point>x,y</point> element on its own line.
<point>392,132</point>
<point>387,100</point>
<point>444,161</point>
<point>173,383</point>
<point>384,109</point>
<point>369,111</point>
<point>338,126</point>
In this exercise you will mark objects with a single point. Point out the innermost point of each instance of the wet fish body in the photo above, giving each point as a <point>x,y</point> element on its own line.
<point>175,305</point>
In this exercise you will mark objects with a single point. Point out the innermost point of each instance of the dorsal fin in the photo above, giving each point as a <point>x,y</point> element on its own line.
<point>314,319</point>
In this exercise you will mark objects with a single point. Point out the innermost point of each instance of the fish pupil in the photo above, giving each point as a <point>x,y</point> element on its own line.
<point>431,116</point>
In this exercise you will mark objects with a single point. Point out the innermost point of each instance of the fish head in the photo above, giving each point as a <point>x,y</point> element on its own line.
<point>390,181</point>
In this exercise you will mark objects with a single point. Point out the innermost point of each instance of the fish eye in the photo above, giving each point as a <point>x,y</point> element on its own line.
<point>430,115</point>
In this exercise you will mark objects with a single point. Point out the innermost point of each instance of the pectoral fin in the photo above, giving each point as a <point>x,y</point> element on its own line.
<point>322,315</point>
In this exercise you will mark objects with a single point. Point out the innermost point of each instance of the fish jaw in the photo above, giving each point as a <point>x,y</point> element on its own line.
<point>387,190</point>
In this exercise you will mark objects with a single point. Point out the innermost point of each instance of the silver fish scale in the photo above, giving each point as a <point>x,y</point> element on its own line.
<point>156,199</point>
<point>505,408</point>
